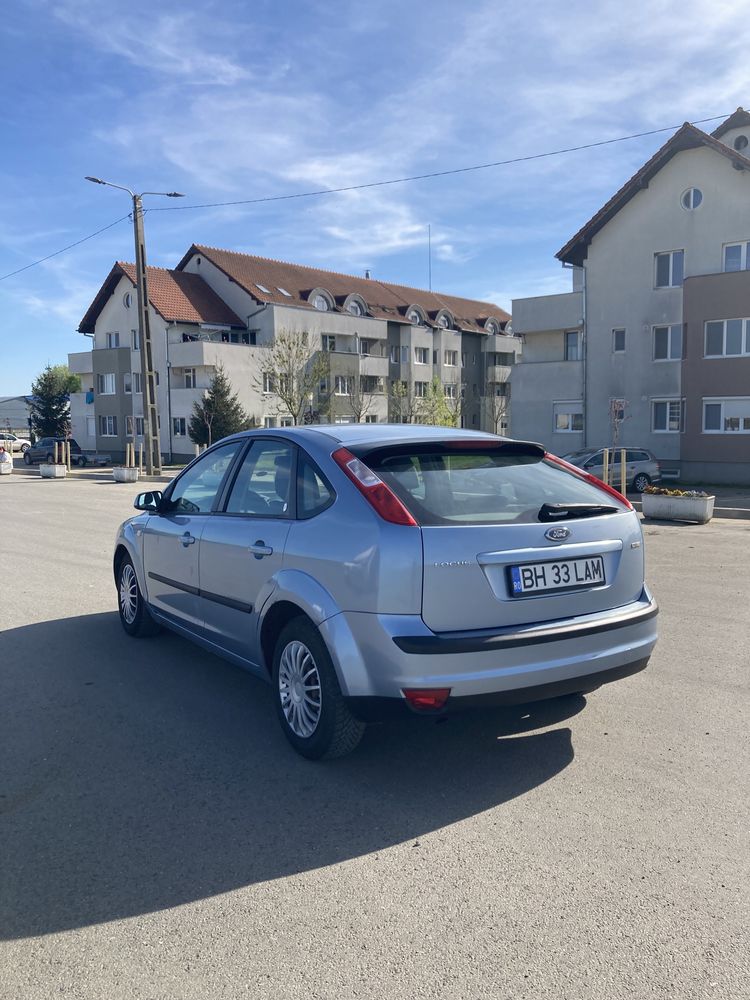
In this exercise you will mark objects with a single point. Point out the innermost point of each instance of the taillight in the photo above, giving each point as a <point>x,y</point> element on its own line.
<point>427,699</point>
<point>587,477</point>
<point>380,497</point>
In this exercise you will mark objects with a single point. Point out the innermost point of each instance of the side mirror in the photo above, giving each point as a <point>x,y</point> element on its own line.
<point>148,501</point>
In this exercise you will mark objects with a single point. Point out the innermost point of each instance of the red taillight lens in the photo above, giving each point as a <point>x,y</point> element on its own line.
<point>427,699</point>
<point>382,499</point>
<point>587,477</point>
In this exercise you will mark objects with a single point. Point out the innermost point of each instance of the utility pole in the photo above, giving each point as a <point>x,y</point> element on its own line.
<point>148,377</point>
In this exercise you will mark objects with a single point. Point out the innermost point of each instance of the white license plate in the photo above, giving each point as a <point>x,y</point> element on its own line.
<point>534,578</point>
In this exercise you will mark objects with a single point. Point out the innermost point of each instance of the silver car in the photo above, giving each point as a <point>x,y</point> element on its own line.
<point>641,466</point>
<point>370,569</point>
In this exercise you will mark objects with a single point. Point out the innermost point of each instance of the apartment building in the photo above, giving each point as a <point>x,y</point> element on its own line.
<point>652,344</point>
<point>384,343</point>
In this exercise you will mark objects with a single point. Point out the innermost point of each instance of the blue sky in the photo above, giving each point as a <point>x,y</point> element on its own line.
<point>228,100</point>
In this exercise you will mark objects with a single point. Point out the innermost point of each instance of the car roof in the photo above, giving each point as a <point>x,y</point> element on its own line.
<point>355,435</point>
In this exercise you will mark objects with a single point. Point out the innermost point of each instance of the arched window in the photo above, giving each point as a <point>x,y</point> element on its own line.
<point>415,316</point>
<point>320,299</point>
<point>444,319</point>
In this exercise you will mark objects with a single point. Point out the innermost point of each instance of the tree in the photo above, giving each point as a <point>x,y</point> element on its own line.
<point>402,404</point>
<point>219,413</point>
<point>292,370</point>
<point>617,416</point>
<point>359,400</point>
<point>50,401</point>
<point>496,406</point>
<point>438,409</point>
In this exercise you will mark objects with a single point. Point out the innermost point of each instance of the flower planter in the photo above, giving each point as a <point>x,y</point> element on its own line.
<point>667,508</point>
<point>52,471</point>
<point>122,475</point>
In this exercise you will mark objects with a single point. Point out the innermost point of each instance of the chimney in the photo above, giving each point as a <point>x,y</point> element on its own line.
<point>367,273</point>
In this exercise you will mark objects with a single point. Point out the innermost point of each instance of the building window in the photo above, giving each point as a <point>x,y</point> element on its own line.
<point>444,320</point>
<point>321,302</point>
<point>669,268</point>
<point>668,342</point>
<point>371,418</point>
<point>500,389</point>
<point>355,308</point>
<point>364,348</point>
<point>740,143</point>
<point>736,256</point>
<point>618,341</point>
<point>90,427</point>
<point>371,384</point>
<point>127,383</point>
<point>730,415</point>
<point>691,199</point>
<point>344,385</point>
<point>394,354</point>
<point>415,318</point>
<point>267,383</point>
<point>135,340</point>
<point>179,428</point>
<point>572,345</point>
<point>269,422</point>
<point>421,356</point>
<point>404,355</point>
<point>727,338</point>
<point>190,381</point>
<point>105,384</point>
<point>108,426</point>
<point>567,417</point>
<point>286,422</point>
<point>343,420</point>
<point>420,389</point>
<point>138,382</point>
<point>450,359</point>
<point>667,415</point>
<point>113,340</point>
<point>329,342</point>
<point>323,387</point>
<point>128,426</point>
<point>449,390</point>
<point>127,300</point>
<point>139,426</point>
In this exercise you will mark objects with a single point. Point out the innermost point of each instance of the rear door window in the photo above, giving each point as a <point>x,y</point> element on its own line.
<point>452,485</point>
<point>263,483</point>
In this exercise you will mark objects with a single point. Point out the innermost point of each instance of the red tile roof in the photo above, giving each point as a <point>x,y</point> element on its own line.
<point>687,137</point>
<point>264,278</point>
<point>738,119</point>
<point>176,296</point>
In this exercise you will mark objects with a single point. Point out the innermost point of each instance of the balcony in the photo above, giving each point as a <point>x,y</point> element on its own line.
<point>81,363</point>
<point>548,312</point>
<point>498,373</point>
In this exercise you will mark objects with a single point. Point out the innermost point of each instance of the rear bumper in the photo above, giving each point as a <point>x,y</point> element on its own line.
<point>377,656</point>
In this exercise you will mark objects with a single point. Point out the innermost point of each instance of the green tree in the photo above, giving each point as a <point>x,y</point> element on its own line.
<point>219,413</point>
<point>291,370</point>
<point>438,409</point>
<point>50,401</point>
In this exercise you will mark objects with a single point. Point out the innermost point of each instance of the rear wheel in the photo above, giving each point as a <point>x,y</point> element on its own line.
<point>82,462</point>
<point>134,614</point>
<point>640,482</point>
<point>311,709</point>
<point>27,457</point>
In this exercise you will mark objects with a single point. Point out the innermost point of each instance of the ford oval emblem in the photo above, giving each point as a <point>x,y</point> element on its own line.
<point>557,534</point>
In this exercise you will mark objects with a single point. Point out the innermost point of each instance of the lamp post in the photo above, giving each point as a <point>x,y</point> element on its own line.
<point>150,408</point>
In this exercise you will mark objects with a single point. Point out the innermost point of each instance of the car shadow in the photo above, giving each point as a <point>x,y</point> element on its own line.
<point>143,774</point>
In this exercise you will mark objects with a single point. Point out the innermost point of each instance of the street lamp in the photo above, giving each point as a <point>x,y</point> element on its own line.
<point>150,409</point>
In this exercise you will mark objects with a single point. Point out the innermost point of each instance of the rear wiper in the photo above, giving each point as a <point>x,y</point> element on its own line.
<point>564,511</point>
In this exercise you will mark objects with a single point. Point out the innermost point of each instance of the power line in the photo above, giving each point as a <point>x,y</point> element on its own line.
<point>63,249</point>
<point>371,184</point>
<point>437,173</point>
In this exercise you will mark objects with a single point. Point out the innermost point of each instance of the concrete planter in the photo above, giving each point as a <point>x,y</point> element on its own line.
<point>52,471</point>
<point>6,468</point>
<point>700,509</point>
<point>122,475</point>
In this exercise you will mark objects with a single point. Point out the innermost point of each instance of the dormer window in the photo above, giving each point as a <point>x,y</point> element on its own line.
<point>321,302</point>
<point>320,299</point>
<point>445,320</point>
<point>415,316</point>
<point>355,305</point>
<point>492,327</point>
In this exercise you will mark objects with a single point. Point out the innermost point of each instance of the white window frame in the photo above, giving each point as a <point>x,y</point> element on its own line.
<point>190,378</point>
<point>365,346</point>
<point>394,354</point>
<point>569,412</point>
<point>267,384</point>
<point>138,383</point>
<point>179,427</point>
<point>450,359</point>
<point>103,380</point>
<point>670,328</point>
<point>286,422</point>
<point>670,402</point>
<point>745,345</point>
<point>269,422</point>
<point>139,428</point>
<point>135,340</point>
<point>343,385</point>
<point>450,390</point>
<point>420,390</point>
<point>371,418</point>
<point>577,335</point>
<point>722,401</point>
<point>671,254</point>
<point>328,342</point>
<point>421,356</point>
<point>112,339</point>
<point>615,331</point>
<point>127,383</point>
<point>744,246</point>
<point>108,425</point>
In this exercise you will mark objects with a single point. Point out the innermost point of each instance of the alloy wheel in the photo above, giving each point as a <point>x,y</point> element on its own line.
<point>299,689</point>
<point>128,593</point>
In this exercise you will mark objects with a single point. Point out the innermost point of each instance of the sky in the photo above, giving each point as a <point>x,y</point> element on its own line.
<point>226,100</point>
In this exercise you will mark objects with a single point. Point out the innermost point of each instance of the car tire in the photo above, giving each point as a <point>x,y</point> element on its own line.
<point>50,459</point>
<point>27,457</point>
<point>24,448</point>
<point>640,482</point>
<point>315,718</point>
<point>82,462</point>
<point>134,615</point>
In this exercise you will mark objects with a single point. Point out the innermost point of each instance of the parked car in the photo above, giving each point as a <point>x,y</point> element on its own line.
<point>641,467</point>
<point>370,569</point>
<point>14,443</point>
<point>44,451</point>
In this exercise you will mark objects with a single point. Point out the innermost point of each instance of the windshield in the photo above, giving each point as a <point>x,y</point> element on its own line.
<point>470,486</point>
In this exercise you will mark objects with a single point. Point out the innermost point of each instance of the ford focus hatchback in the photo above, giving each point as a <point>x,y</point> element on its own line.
<point>366,570</point>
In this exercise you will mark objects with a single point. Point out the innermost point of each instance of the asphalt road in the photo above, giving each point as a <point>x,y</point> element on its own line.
<point>158,839</point>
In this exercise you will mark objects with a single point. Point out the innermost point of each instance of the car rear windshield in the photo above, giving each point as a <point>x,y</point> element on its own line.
<point>478,484</point>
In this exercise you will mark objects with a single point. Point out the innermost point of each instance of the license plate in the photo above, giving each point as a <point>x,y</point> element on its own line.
<point>533,578</point>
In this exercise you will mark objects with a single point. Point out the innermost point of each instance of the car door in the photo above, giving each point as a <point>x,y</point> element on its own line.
<point>171,537</point>
<point>242,546</point>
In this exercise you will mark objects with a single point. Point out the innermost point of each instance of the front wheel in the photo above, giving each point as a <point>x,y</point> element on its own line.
<point>82,462</point>
<point>27,457</point>
<point>311,709</point>
<point>640,482</point>
<point>134,614</point>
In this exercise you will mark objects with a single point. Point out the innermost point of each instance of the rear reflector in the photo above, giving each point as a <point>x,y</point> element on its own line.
<point>427,699</point>
<point>605,487</point>
<point>380,497</point>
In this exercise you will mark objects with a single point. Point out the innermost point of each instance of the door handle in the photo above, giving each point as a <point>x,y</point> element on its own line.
<point>187,539</point>
<point>260,549</point>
